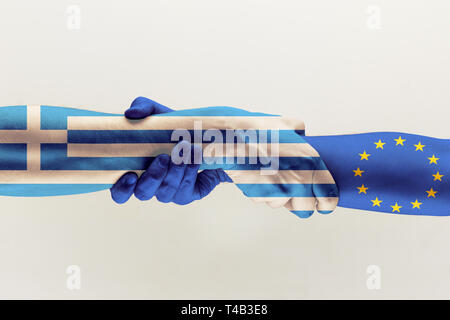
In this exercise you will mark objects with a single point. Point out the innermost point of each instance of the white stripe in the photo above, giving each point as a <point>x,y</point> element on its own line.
<point>281,177</point>
<point>33,146</point>
<point>40,136</point>
<point>185,122</point>
<point>111,176</point>
<point>210,149</point>
<point>327,203</point>
<point>61,176</point>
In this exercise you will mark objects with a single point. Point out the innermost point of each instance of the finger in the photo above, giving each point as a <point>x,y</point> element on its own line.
<point>124,187</point>
<point>303,214</point>
<point>223,176</point>
<point>185,193</point>
<point>207,180</point>
<point>143,107</point>
<point>327,195</point>
<point>152,178</point>
<point>171,182</point>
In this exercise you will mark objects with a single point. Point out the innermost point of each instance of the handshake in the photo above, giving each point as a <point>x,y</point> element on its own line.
<point>293,175</point>
<point>167,180</point>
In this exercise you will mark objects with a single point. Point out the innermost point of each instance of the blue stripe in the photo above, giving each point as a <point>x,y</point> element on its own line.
<point>303,213</point>
<point>280,190</point>
<point>45,190</point>
<point>325,190</point>
<point>308,213</point>
<point>13,156</point>
<point>119,136</point>
<point>55,118</point>
<point>285,163</point>
<point>13,118</point>
<point>54,157</point>
<point>163,136</point>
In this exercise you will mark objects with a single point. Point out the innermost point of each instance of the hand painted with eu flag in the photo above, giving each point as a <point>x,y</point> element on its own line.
<point>167,181</point>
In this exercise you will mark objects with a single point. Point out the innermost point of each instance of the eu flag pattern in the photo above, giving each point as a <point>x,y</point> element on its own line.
<point>389,172</point>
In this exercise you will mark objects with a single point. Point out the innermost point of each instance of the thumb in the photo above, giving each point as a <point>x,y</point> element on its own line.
<point>142,107</point>
<point>207,180</point>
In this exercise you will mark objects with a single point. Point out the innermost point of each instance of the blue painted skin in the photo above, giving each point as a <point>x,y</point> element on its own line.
<point>395,174</point>
<point>168,182</point>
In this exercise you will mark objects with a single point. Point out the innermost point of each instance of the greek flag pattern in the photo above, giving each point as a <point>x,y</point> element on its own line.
<point>49,151</point>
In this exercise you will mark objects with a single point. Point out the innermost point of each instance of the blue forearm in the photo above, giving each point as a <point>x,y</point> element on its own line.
<point>412,169</point>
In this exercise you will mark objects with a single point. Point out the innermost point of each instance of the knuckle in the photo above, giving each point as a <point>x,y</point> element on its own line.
<point>142,194</point>
<point>163,197</point>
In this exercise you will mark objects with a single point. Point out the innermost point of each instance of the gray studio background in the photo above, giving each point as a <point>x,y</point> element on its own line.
<point>343,66</point>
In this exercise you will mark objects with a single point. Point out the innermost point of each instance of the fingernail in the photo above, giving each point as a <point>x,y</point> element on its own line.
<point>131,179</point>
<point>164,160</point>
<point>303,214</point>
<point>128,111</point>
<point>134,113</point>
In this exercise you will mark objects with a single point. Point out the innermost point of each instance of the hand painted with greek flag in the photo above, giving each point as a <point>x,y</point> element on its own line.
<point>168,182</point>
<point>299,179</point>
<point>54,151</point>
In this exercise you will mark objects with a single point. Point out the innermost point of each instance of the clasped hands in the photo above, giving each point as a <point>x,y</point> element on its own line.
<point>168,182</point>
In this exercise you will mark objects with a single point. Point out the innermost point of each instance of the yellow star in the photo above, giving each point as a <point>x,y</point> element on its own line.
<point>431,193</point>
<point>376,202</point>
<point>364,156</point>
<point>416,204</point>
<point>396,207</point>
<point>380,144</point>
<point>419,146</point>
<point>362,189</point>
<point>437,176</point>
<point>358,172</point>
<point>399,141</point>
<point>433,159</point>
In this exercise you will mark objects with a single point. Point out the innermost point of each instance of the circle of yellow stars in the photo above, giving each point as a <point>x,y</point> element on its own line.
<point>433,160</point>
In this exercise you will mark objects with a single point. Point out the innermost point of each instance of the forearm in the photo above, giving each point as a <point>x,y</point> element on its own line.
<point>393,170</point>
